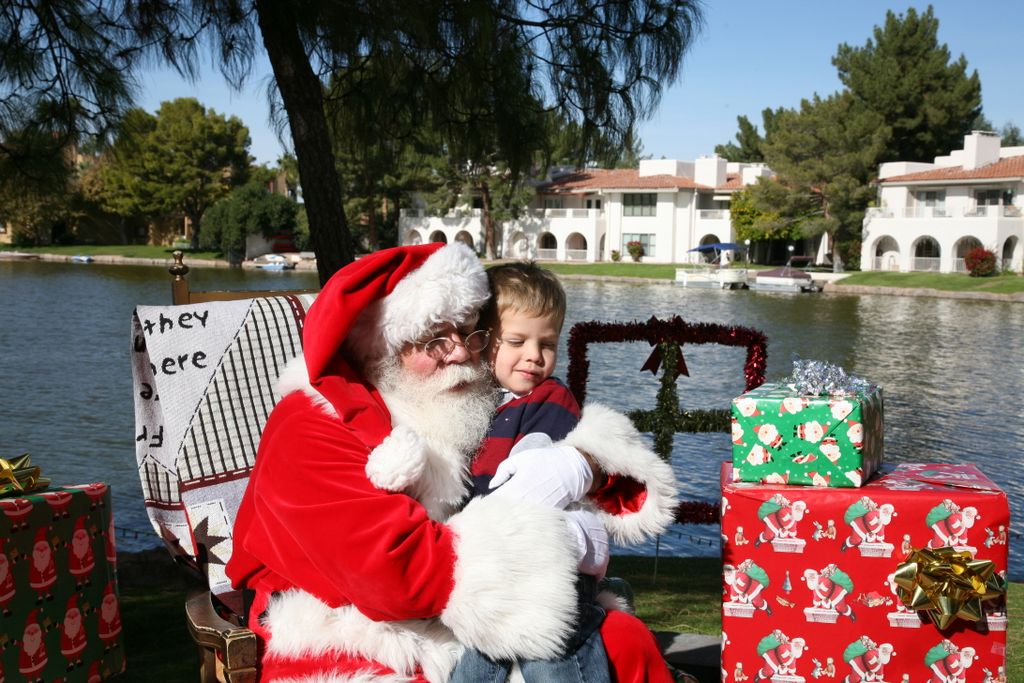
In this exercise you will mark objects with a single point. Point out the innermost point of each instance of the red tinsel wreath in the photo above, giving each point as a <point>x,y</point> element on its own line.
<point>655,331</point>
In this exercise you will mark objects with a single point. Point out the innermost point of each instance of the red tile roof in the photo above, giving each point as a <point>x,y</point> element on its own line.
<point>1011,167</point>
<point>626,179</point>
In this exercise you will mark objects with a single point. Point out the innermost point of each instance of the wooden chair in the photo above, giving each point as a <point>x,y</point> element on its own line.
<point>182,294</point>
<point>227,649</point>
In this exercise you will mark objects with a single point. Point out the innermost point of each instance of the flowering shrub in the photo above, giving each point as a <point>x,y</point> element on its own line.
<point>980,262</point>
<point>635,249</point>
<point>616,255</point>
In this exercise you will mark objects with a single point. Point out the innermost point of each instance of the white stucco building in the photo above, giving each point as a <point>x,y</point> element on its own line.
<point>930,215</point>
<point>583,215</point>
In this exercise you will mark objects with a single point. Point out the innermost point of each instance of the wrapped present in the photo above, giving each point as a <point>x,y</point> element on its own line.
<point>813,430</point>
<point>902,579</point>
<point>59,612</point>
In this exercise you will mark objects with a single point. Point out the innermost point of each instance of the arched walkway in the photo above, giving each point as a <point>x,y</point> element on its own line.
<point>519,246</point>
<point>963,246</point>
<point>576,247</point>
<point>927,254</point>
<point>439,236</point>
<point>887,254</point>
<point>465,238</point>
<point>547,247</point>
<point>412,238</point>
<point>1010,247</point>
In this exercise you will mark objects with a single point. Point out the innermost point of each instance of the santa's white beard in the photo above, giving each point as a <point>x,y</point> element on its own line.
<point>451,411</point>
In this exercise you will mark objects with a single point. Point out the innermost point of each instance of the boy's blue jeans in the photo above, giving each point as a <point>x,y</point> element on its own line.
<point>584,659</point>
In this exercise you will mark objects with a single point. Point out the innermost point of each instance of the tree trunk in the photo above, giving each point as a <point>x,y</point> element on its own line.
<point>302,95</point>
<point>488,220</point>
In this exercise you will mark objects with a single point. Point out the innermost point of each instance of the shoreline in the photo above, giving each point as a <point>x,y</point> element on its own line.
<point>829,287</point>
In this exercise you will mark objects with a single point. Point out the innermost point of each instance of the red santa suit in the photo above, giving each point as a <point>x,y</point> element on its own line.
<point>110,618</point>
<point>42,572</point>
<point>17,511</point>
<point>32,658</point>
<point>59,502</point>
<point>72,633</point>
<point>337,563</point>
<point>7,586</point>
<point>81,560</point>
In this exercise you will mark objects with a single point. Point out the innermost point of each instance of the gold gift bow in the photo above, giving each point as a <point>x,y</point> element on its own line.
<point>17,475</point>
<point>947,584</point>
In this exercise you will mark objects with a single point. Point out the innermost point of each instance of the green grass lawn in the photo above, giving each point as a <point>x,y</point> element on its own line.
<point>126,250</point>
<point>1008,283</point>
<point>685,596</point>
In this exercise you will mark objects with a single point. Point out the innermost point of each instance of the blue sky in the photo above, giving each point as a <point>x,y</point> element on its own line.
<point>750,55</point>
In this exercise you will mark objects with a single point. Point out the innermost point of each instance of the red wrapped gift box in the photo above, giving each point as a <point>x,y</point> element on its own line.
<point>808,592</point>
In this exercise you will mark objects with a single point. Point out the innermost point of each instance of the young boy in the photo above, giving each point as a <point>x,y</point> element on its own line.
<point>524,317</point>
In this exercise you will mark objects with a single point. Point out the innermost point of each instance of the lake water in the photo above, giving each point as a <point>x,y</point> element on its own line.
<point>951,371</point>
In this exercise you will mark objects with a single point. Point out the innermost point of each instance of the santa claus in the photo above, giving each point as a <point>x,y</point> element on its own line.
<point>867,520</point>
<point>110,618</point>
<point>17,511</point>
<point>866,660</point>
<point>780,655</point>
<point>780,518</point>
<point>7,586</point>
<point>351,580</point>
<point>948,663</point>
<point>32,659</point>
<point>42,572</point>
<point>72,634</point>
<point>950,524</point>
<point>80,556</point>
<point>830,588</point>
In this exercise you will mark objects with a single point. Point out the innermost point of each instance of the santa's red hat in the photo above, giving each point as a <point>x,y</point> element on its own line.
<point>389,298</point>
<point>33,618</point>
<point>41,536</point>
<point>72,602</point>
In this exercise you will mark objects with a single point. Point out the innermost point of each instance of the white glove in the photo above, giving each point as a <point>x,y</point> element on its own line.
<point>553,476</point>
<point>591,541</point>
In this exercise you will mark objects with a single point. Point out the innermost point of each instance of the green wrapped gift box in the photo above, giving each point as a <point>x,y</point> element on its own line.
<point>59,613</point>
<point>782,437</point>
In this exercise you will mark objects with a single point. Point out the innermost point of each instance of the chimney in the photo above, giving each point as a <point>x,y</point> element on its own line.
<point>710,171</point>
<point>981,148</point>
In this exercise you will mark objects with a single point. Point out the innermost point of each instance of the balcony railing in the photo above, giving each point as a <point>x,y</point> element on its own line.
<point>565,213</point>
<point>575,254</point>
<point>959,266</point>
<point>713,214</point>
<point>1006,264</point>
<point>927,263</point>
<point>547,254</point>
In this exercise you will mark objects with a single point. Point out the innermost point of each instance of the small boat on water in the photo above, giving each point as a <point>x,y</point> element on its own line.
<point>789,278</point>
<point>81,258</point>
<point>713,275</point>
<point>271,262</point>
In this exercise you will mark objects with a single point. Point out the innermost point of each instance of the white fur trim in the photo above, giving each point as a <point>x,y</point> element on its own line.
<point>450,287</point>
<point>613,602</point>
<point>301,626</point>
<point>514,594</point>
<point>610,438</point>
<point>398,461</point>
<point>295,377</point>
<point>362,677</point>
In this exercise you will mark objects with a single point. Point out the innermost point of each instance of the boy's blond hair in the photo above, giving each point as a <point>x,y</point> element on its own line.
<point>523,287</point>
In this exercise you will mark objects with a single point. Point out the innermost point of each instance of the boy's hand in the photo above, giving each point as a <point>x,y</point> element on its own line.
<point>553,476</point>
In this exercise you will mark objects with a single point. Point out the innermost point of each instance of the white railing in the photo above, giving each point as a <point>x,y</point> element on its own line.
<point>1006,265</point>
<point>959,266</point>
<point>713,214</point>
<point>879,212</point>
<point>575,254</point>
<point>925,212</point>
<point>1012,211</point>
<point>565,213</point>
<point>455,213</point>
<point>927,263</point>
<point>547,254</point>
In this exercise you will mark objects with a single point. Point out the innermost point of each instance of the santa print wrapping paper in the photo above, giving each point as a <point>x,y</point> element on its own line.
<point>59,613</point>
<point>782,437</point>
<point>808,592</point>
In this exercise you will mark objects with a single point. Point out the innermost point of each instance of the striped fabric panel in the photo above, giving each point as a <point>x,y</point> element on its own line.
<point>159,485</point>
<point>222,438</point>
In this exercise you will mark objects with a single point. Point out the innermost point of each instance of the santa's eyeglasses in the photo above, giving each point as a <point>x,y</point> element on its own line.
<point>440,347</point>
